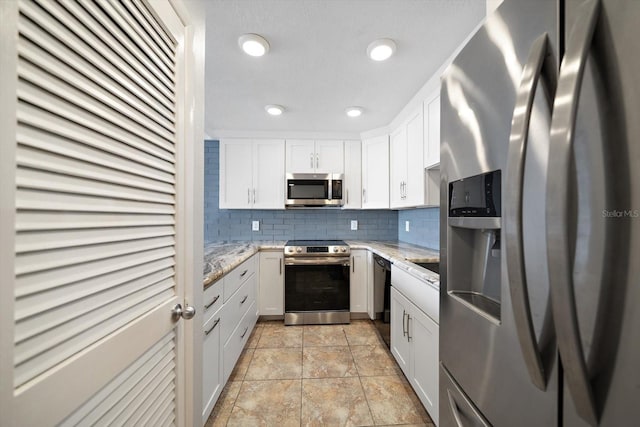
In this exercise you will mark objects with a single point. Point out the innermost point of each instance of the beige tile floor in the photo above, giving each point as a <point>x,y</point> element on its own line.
<point>328,375</point>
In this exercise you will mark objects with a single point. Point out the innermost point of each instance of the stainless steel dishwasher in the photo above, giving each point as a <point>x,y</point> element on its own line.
<point>382,296</point>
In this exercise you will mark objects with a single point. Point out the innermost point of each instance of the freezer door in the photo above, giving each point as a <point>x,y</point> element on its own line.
<point>480,346</point>
<point>594,213</point>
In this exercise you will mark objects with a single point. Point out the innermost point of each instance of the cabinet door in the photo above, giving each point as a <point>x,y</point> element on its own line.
<point>424,361</point>
<point>432,112</point>
<point>400,344</point>
<point>375,173</point>
<point>358,281</point>
<point>271,284</point>
<point>301,156</point>
<point>414,187</point>
<point>352,175</point>
<point>268,174</point>
<point>329,156</point>
<point>211,365</point>
<point>236,178</point>
<point>398,162</point>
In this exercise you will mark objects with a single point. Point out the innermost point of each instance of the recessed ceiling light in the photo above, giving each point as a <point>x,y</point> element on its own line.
<point>381,49</point>
<point>353,111</point>
<point>274,110</point>
<point>253,44</point>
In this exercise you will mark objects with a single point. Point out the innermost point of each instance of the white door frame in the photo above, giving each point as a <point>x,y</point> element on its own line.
<point>192,14</point>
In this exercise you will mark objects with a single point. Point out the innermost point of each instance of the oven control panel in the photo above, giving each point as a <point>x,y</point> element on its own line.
<point>316,250</point>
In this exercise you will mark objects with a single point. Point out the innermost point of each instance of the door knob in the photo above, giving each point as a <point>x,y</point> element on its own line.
<point>187,313</point>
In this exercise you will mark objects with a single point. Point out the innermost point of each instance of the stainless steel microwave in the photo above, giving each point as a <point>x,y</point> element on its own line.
<point>313,190</point>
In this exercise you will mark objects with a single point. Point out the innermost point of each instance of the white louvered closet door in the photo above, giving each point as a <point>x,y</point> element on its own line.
<point>98,134</point>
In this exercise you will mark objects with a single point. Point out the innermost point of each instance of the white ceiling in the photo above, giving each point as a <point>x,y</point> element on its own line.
<point>317,64</point>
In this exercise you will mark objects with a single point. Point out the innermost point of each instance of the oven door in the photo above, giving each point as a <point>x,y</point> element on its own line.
<point>316,284</point>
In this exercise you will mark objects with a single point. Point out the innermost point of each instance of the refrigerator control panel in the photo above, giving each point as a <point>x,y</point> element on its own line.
<point>476,196</point>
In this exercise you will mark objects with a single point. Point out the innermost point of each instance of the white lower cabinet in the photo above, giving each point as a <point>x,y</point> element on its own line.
<point>211,365</point>
<point>424,363</point>
<point>271,283</point>
<point>236,342</point>
<point>358,281</point>
<point>400,342</point>
<point>414,344</point>
<point>228,323</point>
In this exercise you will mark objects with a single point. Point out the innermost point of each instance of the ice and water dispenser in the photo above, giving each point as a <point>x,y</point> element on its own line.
<point>474,273</point>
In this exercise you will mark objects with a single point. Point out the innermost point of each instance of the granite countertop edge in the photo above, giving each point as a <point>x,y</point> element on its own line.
<point>403,255</point>
<point>222,257</point>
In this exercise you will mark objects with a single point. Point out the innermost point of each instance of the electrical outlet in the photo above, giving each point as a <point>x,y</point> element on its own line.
<point>255,225</point>
<point>406,226</point>
<point>354,224</point>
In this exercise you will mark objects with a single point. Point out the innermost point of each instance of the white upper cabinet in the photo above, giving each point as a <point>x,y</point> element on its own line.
<point>352,184</point>
<point>407,163</point>
<point>252,174</point>
<point>268,174</point>
<point>301,156</point>
<point>375,173</point>
<point>329,156</point>
<point>414,187</point>
<point>432,129</point>
<point>398,166</point>
<point>236,174</point>
<point>309,156</point>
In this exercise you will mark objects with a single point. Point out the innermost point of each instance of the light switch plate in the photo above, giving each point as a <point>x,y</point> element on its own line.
<point>255,225</point>
<point>406,226</point>
<point>354,224</point>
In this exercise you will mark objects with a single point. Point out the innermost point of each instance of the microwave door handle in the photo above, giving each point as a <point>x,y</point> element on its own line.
<point>539,64</point>
<point>563,123</point>
<point>311,160</point>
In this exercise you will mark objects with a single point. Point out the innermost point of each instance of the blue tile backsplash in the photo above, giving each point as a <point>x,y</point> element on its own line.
<point>229,225</point>
<point>424,227</point>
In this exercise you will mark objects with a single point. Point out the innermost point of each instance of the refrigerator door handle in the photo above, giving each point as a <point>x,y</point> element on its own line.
<point>559,256</point>
<point>454,409</point>
<point>540,63</point>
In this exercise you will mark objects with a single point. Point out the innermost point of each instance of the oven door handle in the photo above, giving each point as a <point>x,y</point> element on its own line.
<point>345,261</point>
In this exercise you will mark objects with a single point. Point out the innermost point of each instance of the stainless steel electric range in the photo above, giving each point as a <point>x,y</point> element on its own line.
<point>316,282</point>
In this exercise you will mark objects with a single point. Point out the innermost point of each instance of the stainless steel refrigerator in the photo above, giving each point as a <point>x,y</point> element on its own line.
<point>540,218</point>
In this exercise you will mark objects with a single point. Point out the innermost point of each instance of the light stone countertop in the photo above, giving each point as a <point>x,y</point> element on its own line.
<point>403,255</point>
<point>222,257</point>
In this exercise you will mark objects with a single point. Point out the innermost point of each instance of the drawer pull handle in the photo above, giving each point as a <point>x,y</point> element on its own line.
<point>213,327</point>
<point>404,330</point>
<point>212,302</point>
<point>244,299</point>
<point>243,273</point>
<point>245,332</point>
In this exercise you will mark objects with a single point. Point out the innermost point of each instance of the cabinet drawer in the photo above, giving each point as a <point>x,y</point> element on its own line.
<point>234,279</point>
<point>211,364</point>
<point>237,340</point>
<point>420,293</point>
<point>212,300</point>
<point>237,306</point>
